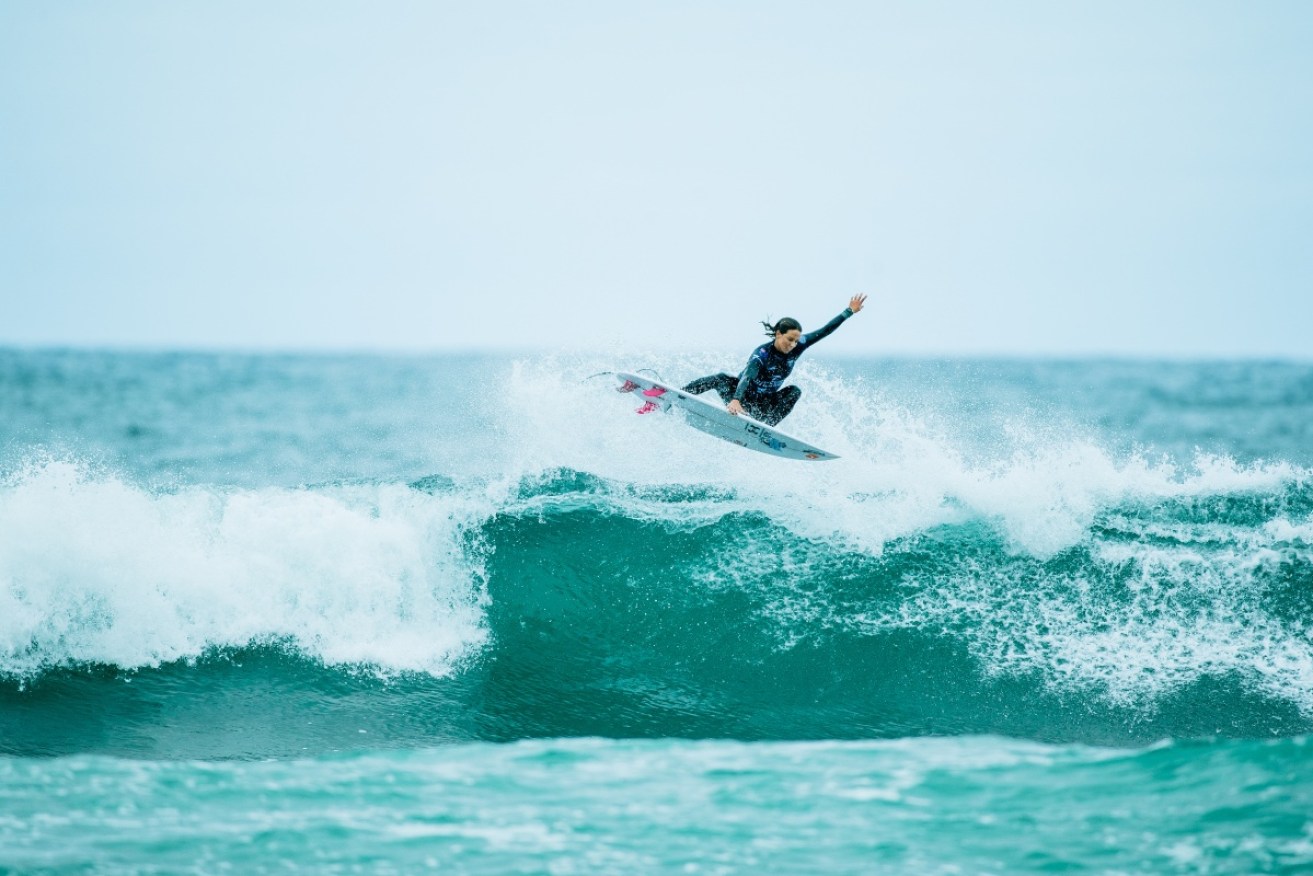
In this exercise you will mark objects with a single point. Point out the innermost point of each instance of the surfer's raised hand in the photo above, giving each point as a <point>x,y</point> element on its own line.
<point>734,407</point>
<point>855,304</point>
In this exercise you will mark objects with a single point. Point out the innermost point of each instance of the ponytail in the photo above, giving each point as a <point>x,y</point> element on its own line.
<point>787,324</point>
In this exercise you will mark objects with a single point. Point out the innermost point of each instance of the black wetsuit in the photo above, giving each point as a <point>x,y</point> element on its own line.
<point>759,388</point>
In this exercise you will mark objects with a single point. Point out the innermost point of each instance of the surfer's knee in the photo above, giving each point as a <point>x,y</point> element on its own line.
<point>783,404</point>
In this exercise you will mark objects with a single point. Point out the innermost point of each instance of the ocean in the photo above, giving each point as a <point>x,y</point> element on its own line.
<point>470,614</point>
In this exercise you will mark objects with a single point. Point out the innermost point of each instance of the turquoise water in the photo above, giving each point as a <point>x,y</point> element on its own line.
<point>354,614</point>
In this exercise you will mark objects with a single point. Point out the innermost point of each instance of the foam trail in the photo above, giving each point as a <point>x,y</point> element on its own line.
<point>1041,487</point>
<point>96,570</point>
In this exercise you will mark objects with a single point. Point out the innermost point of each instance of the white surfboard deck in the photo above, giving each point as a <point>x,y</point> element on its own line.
<point>715,420</point>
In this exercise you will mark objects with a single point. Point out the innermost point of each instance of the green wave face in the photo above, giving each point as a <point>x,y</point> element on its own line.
<point>622,625</point>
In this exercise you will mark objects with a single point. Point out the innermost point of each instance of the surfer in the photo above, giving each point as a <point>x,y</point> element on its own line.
<point>758,391</point>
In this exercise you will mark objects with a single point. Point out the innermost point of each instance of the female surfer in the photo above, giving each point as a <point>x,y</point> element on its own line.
<point>757,390</point>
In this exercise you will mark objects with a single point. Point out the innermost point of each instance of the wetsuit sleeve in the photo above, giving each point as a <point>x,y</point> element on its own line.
<point>827,329</point>
<point>749,375</point>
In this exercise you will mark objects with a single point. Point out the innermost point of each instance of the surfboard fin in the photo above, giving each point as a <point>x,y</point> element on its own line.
<point>629,386</point>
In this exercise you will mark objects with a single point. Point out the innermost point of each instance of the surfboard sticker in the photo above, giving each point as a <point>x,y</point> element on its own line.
<point>713,419</point>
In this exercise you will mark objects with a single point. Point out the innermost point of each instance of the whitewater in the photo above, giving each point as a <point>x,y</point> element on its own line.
<point>384,614</point>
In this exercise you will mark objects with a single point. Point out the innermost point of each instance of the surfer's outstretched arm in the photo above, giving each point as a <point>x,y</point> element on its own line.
<point>854,304</point>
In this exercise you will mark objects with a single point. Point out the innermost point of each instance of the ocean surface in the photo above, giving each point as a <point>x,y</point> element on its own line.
<point>353,614</point>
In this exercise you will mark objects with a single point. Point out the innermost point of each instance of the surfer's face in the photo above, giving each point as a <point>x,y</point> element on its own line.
<point>786,341</point>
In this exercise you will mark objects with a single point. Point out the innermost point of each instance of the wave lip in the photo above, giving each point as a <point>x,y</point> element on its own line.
<point>95,570</point>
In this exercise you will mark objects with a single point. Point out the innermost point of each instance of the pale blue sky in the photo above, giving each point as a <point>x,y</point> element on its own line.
<point>1017,178</point>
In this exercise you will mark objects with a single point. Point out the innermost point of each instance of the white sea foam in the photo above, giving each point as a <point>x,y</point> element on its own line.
<point>1132,622</point>
<point>96,569</point>
<point>1283,532</point>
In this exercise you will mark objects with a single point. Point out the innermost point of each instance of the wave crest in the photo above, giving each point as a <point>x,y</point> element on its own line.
<point>94,569</point>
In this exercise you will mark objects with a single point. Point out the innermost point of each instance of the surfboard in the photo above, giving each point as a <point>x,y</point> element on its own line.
<point>713,419</point>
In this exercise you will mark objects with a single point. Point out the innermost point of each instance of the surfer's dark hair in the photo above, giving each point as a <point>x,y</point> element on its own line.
<point>787,324</point>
